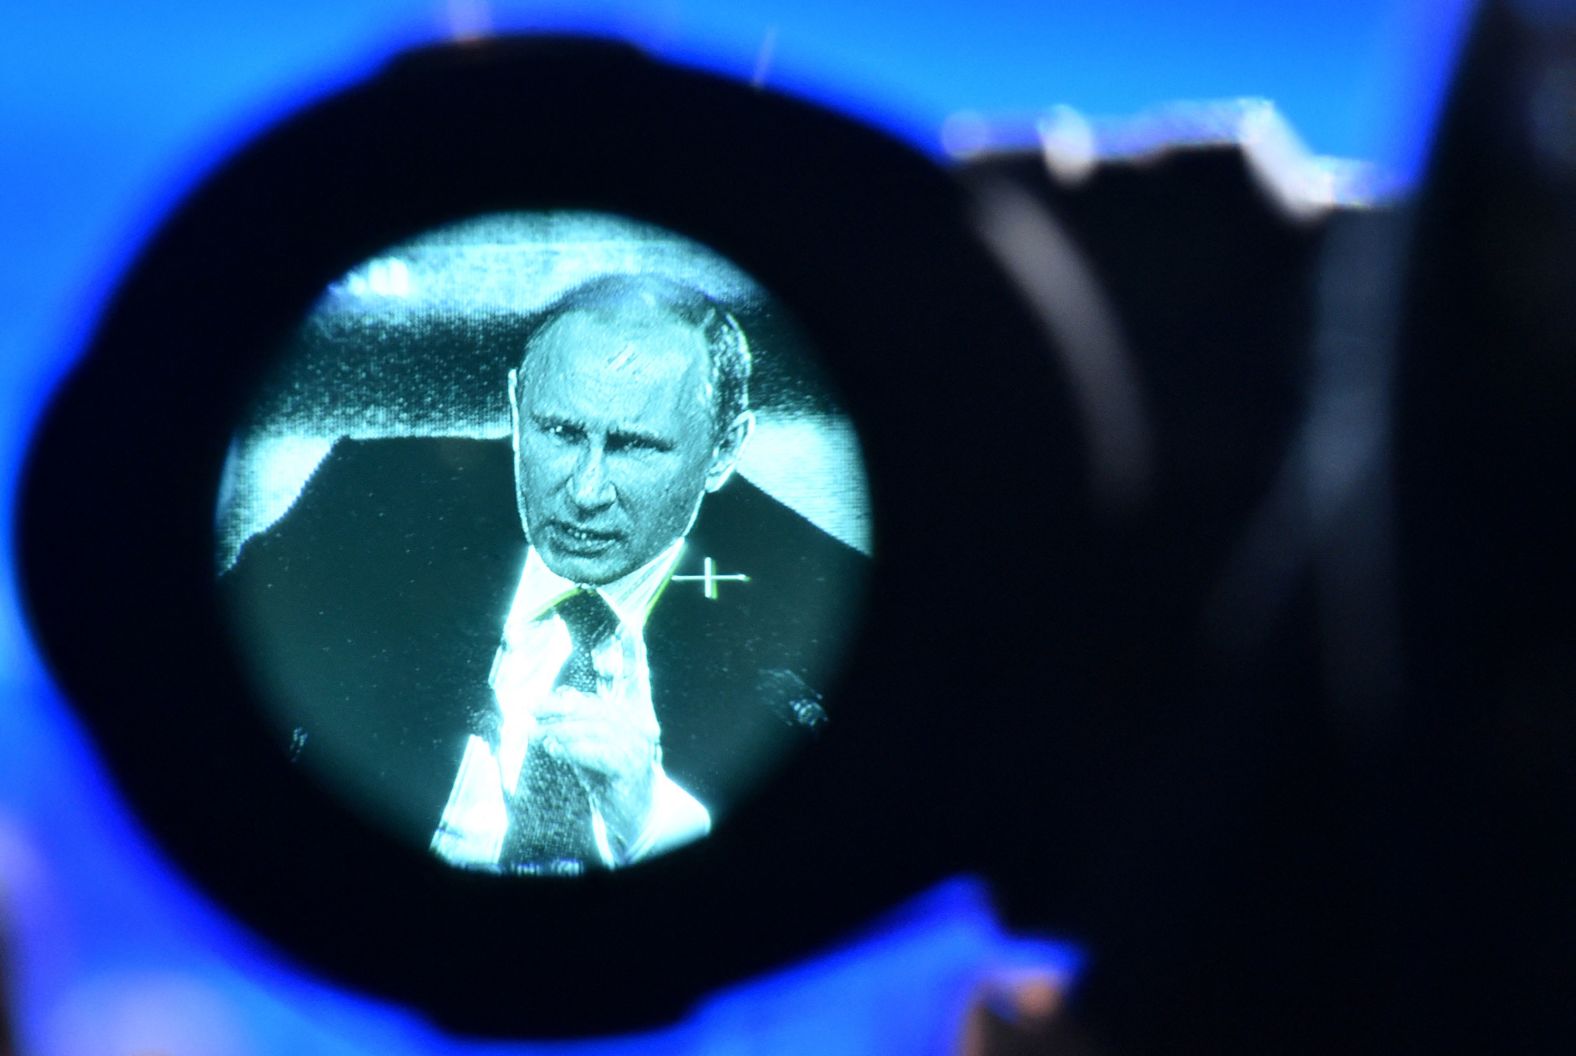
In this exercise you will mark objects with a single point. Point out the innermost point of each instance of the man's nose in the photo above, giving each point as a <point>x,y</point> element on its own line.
<point>590,487</point>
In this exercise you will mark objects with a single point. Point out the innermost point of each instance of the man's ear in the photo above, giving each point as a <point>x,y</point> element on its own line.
<point>725,456</point>
<point>514,443</point>
<point>514,412</point>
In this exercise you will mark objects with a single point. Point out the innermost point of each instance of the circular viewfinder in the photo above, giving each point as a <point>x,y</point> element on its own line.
<point>485,500</point>
<point>542,542</point>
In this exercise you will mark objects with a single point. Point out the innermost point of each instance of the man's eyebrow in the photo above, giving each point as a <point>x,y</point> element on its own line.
<point>628,434</point>
<point>619,435</point>
<point>555,420</point>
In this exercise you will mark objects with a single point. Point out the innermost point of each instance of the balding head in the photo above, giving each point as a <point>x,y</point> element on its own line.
<point>637,303</point>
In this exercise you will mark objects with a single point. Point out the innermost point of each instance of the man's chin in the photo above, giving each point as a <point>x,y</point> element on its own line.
<point>592,570</point>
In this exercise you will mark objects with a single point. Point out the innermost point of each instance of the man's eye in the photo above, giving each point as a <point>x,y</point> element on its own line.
<point>561,431</point>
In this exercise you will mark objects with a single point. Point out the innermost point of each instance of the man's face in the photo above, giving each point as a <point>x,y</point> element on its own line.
<point>614,442</point>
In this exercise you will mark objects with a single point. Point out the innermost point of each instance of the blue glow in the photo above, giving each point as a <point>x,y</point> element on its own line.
<point>110,111</point>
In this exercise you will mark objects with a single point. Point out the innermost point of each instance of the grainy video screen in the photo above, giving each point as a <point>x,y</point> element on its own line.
<point>544,540</point>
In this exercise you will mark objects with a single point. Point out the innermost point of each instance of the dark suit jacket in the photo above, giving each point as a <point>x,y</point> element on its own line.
<point>372,611</point>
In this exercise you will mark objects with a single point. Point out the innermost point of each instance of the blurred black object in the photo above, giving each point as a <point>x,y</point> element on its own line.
<point>1331,760</point>
<point>1210,859</point>
<point>1486,521</point>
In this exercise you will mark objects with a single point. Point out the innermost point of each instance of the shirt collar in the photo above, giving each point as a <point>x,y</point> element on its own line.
<point>630,597</point>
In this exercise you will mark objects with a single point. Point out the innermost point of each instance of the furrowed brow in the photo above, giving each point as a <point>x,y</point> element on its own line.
<point>630,437</point>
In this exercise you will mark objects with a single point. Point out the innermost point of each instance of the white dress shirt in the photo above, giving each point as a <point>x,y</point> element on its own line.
<point>536,644</point>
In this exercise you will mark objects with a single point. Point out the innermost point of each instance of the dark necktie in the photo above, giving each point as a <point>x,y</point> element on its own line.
<point>550,813</point>
<point>590,621</point>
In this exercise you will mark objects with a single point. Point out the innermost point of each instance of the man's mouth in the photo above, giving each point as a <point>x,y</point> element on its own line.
<point>578,540</point>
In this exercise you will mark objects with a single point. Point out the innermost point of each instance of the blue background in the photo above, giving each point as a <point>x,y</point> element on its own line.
<point>110,111</point>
